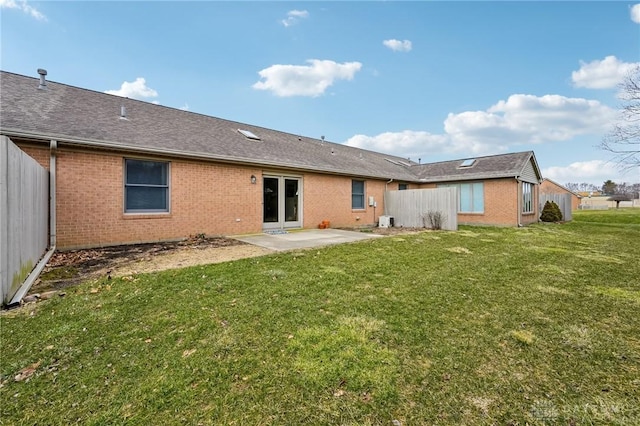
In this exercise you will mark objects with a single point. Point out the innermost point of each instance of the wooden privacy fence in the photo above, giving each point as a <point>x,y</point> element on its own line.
<point>562,200</point>
<point>24,216</point>
<point>409,207</point>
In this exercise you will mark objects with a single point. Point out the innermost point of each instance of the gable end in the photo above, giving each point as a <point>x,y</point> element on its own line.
<point>529,173</point>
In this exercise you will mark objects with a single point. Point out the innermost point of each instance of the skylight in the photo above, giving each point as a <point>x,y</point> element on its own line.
<point>248,134</point>
<point>468,163</point>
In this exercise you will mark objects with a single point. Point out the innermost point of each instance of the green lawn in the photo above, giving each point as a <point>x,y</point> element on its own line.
<point>628,215</point>
<point>537,325</point>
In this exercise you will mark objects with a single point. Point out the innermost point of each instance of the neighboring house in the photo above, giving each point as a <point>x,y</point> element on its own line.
<point>550,187</point>
<point>585,194</point>
<point>128,171</point>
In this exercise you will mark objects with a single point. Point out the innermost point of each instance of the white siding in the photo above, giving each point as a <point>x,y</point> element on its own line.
<point>529,173</point>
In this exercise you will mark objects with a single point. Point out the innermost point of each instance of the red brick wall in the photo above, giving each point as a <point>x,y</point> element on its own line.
<point>328,197</point>
<point>204,198</point>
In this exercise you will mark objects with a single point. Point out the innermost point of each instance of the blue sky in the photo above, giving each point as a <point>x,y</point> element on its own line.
<point>429,80</point>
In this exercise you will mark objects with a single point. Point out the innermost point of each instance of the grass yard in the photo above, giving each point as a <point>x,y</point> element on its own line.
<point>628,216</point>
<point>537,325</point>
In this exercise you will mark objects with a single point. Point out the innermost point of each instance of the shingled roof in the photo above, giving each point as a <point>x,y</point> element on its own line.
<point>513,165</point>
<point>85,117</point>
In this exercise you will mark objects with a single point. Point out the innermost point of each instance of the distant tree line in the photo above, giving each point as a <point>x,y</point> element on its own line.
<point>609,187</point>
<point>581,187</point>
<point>616,191</point>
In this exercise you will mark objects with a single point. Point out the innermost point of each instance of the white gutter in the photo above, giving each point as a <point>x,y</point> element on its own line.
<point>35,273</point>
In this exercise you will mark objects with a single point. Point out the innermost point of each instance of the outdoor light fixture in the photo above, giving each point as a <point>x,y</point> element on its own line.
<point>253,179</point>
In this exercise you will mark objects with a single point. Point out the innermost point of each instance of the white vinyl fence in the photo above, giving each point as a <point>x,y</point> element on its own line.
<point>24,215</point>
<point>409,207</point>
<point>562,200</point>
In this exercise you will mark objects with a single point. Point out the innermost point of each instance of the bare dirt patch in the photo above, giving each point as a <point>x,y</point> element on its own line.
<point>73,267</point>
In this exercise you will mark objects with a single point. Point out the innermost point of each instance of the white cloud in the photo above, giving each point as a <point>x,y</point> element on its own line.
<point>635,13</point>
<point>521,119</point>
<point>594,171</point>
<point>407,144</point>
<point>418,144</point>
<point>23,6</point>
<point>397,45</point>
<point>185,107</point>
<point>305,80</point>
<point>604,74</point>
<point>531,119</point>
<point>137,90</point>
<point>293,16</point>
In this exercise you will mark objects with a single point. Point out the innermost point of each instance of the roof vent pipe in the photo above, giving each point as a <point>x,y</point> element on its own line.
<point>123,112</point>
<point>43,81</point>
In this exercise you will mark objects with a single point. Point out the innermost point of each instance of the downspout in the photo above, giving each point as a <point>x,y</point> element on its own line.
<point>33,276</point>
<point>519,203</point>
<point>52,194</point>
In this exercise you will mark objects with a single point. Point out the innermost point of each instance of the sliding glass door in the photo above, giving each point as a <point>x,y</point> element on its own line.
<point>282,202</point>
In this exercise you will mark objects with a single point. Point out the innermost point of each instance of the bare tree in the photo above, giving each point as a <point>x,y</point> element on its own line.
<point>581,187</point>
<point>624,138</point>
<point>624,192</point>
<point>630,189</point>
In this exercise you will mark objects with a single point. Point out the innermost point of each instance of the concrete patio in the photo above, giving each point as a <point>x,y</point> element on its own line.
<point>304,238</point>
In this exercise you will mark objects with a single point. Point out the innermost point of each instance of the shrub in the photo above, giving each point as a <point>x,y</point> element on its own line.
<point>433,219</point>
<point>551,212</point>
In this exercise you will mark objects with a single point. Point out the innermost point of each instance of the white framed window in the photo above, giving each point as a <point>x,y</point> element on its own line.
<point>146,186</point>
<point>527,197</point>
<point>470,196</point>
<point>357,194</point>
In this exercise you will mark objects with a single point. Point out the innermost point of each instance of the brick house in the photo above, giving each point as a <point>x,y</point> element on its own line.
<point>128,171</point>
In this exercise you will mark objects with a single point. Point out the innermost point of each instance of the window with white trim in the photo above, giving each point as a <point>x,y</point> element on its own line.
<point>527,197</point>
<point>146,186</point>
<point>357,194</point>
<point>470,196</point>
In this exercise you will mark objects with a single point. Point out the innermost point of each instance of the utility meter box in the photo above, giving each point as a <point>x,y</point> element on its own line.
<point>385,222</point>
